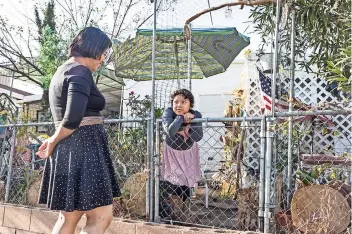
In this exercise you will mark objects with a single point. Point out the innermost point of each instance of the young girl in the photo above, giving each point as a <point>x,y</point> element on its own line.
<point>180,162</point>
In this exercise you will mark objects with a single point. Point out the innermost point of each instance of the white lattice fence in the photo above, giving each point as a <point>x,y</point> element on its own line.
<point>323,138</point>
<point>316,136</point>
<point>253,108</point>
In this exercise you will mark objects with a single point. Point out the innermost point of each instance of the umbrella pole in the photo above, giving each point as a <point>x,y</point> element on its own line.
<point>177,63</point>
<point>189,60</point>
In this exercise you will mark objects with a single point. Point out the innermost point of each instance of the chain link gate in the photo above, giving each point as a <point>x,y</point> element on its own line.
<point>227,194</point>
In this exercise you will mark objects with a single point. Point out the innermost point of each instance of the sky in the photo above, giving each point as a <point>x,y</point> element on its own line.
<point>17,12</point>
<point>185,9</point>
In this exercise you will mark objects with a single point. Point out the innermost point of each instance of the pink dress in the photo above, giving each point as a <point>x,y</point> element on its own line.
<point>181,167</point>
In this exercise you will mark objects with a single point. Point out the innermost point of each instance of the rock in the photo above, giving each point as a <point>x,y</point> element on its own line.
<point>33,193</point>
<point>134,193</point>
<point>2,190</point>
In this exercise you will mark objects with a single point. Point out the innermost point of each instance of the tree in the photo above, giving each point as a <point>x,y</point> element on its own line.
<point>50,55</point>
<point>49,19</point>
<point>49,59</point>
<point>50,49</point>
<point>16,52</point>
<point>19,47</point>
<point>322,34</point>
<point>339,71</point>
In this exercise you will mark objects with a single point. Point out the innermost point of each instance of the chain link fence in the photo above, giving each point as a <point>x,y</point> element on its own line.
<point>21,170</point>
<point>211,184</point>
<point>312,185</point>
<point>129,142</point>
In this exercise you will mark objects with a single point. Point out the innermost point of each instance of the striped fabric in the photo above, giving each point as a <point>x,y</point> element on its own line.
<point>213,50</point>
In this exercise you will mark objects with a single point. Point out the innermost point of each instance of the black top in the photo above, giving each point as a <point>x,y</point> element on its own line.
<point>173,123</point>
<point>74,95</point>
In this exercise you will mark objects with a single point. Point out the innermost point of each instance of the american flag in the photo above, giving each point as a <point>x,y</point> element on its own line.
<point>282,105</point>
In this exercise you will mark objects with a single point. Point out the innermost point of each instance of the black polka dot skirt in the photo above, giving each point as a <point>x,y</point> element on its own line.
<point>80,173</point>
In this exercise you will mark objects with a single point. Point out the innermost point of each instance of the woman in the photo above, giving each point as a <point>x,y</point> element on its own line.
<point>79,176</point>
<point>181,161</point>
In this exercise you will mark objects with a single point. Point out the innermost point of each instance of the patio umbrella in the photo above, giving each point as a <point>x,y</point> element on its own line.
<point>212,50</point>
<point>111,87</point>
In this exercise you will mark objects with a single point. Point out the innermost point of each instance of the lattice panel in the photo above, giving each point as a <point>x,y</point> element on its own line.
<point>283,84</point>
<point>251,158</point>
<point>253,108</point>
<point>342,142</point>
<point>316,137</point>
<point>253,102</point>
<point>323,95</point>
<point>305,89</point>
<point>321,139</point>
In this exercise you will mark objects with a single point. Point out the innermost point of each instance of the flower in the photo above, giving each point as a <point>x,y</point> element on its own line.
<point>44,136</point>
<point>246,53</point>
<point>131,93</point>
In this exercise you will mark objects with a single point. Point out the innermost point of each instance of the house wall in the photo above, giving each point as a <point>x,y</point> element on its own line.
<point>211,94</point>
<point>211,97</point>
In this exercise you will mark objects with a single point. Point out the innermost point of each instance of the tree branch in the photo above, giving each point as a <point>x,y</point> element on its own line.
<point>70,13</point>
<point>242,3</point>
<point>88,13</point>
<point>21,56</point>
<point>146,19</point>
<point>115,20</point>
<point>10,59</point>
<point>9,34</point>
<point>20,72</point>
<point>124,16</point>
<point>32,65</point>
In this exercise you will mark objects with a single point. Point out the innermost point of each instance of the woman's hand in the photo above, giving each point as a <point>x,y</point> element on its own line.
<point>185,132</point>
<point>47,148</point>
<point>188,117</point>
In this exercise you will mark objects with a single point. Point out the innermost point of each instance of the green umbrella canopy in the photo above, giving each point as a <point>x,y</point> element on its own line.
<point>110,86</point>
<point>212,50</point>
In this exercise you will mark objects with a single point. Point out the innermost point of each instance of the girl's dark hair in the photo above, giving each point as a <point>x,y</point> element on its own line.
<point>91,42</point>
<point>185,93</point>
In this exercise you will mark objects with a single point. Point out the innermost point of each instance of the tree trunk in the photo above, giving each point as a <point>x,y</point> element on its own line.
<point>45,108</point>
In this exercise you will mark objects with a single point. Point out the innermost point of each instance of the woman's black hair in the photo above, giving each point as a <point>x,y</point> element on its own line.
<point>185,93</point>
<point>91,42</point>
